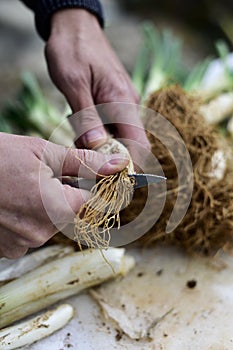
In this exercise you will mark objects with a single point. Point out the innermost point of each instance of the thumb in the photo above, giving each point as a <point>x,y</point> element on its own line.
<point>81,162</point>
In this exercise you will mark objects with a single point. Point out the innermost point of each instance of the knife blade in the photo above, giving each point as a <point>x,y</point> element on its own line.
<point>141,180</point>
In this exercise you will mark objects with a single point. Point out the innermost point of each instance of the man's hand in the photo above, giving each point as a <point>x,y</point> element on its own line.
<point>34,204</point>
<point>84,67</point>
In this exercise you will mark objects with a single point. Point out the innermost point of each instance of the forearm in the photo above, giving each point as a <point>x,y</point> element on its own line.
<point>44,9</point>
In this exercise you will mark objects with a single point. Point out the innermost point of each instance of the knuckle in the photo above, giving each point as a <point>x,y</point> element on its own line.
<point>89,162</point>
<point>74,73</point>
<point>85,156</point>
<point>122,91</point>
<point>114,90</point>
<point>37,144</point>
<point>75,85</point>
<point>87,116</point>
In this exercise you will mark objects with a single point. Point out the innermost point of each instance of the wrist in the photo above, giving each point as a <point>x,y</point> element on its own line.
<point>75,17</point>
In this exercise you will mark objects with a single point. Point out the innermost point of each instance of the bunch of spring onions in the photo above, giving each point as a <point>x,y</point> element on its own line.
<point>57,273</point>
<point>216,90</point>
<point>159,64</point>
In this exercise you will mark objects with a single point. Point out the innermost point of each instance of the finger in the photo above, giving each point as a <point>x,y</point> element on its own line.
<point>33,232</point>
<point>75,84</point>
<point>12,246</point>
<point>86,123</point>
<point>75,198</point>
<point>125,119</point>
<point>120,107</point>
<point>61,202</point>
<point>80,162</point>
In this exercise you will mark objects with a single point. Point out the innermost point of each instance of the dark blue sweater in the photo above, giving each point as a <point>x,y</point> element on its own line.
<point>43,10</point>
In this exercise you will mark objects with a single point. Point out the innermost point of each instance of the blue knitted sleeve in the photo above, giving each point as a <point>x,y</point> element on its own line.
<point>43,10</point>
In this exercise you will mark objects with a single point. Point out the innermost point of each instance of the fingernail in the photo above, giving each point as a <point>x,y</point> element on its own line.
<point>118,161</point>
<point>93,137</point>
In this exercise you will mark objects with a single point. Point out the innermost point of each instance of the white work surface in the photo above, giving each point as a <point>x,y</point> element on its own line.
<point>199,318</point>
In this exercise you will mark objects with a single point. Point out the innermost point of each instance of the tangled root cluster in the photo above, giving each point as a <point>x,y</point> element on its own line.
<point>208,223</point>
<point>101,212</point>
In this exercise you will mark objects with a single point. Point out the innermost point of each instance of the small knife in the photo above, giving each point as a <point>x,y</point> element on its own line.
<point>141,180</point>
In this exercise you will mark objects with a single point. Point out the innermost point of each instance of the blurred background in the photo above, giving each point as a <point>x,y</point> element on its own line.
<point>197,23</point>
